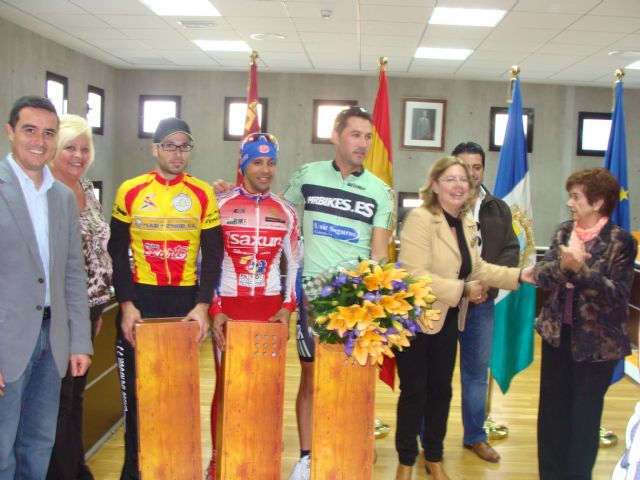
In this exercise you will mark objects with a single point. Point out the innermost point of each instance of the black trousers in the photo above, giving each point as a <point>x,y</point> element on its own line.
<point>571,401</point>
<point>425,370</point>
<point>153,302</point>
<point>67,456</point>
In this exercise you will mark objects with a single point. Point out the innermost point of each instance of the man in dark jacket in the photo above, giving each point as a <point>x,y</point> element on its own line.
<point>499,245</point>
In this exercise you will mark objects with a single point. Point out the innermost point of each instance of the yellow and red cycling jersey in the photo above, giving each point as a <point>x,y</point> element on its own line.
<point>166,218</point>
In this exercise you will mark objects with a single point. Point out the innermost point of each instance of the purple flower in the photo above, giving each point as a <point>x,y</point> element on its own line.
<point>391,331</point>
<point>370,296</point>
<point>326,291</point>
<point>356,280</point>
<point>399,285</point>
<point>349,344</point>
<point>411,326</point>
<point>339,280</point>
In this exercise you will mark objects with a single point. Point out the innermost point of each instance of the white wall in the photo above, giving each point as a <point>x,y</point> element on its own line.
<point>26,57</point>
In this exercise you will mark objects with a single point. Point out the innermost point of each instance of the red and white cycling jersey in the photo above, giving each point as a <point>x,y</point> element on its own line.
<point>256,230</point>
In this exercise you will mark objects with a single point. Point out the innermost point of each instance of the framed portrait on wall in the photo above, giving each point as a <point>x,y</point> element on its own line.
<point>423,124</point>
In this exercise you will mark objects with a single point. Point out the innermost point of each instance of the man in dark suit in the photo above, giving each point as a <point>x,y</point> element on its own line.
<point>44,314</point>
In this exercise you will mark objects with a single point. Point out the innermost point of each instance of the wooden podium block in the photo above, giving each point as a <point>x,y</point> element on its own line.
<point>249,440</point>
<point>168,391</point>
<point>343,416</point>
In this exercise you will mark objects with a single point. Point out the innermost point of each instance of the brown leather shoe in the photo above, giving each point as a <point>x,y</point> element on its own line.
<point>485,451</point>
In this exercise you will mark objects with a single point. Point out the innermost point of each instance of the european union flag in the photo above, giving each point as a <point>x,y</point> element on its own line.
<point>615,160</point>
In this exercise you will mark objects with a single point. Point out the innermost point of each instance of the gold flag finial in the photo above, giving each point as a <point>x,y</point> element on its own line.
<point>619,73</point>
<point>515,71</point>
<point>382,62</point>
<point>253,56</point>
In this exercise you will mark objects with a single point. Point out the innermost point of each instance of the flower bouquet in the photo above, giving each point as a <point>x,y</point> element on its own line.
<point>370,308</point>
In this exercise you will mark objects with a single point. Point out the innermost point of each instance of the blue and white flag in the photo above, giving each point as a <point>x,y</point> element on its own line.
<point>615,160</point>
<point>515,311</point>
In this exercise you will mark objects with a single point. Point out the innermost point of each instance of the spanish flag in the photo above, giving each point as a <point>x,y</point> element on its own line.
<point>251,122</point>
<point>379,162</point>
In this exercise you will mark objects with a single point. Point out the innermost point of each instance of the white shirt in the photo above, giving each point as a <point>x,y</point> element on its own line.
<point>476,212</point>
<point>38,207</point>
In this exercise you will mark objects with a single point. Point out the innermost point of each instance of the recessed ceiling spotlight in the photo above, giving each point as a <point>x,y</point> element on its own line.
<point>196,24</point>
<point>268,36</point>
<point>325,13</point>
<point>624,53</point>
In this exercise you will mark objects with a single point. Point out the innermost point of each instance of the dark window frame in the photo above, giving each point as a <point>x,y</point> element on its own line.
<point>316,109</point>
<point>64,81</point>
<point>228,101</point>
<point>100,92</point>
<point>529,112</point>
<point>582,116</point>
<point>145,98</point>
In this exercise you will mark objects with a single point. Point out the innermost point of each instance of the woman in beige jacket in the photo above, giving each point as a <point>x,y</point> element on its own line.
<point>440,240</point>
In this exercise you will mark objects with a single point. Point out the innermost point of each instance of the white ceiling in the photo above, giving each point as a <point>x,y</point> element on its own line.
<point>553,41</point>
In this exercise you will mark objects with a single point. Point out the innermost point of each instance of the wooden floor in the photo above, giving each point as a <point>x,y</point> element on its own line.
<point>518,410</point>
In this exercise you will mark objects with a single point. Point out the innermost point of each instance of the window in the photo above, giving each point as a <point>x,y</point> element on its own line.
<point>324,115</point>
<point>57,90</point>
<point>499,117</point>
<point>593,133</point>
<point>95,109</point>
<point>154,108</point>
<point>97,190</point>
<point>235,114</point>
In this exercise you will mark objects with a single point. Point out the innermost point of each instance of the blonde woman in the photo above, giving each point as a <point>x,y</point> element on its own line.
<point>74,155</point>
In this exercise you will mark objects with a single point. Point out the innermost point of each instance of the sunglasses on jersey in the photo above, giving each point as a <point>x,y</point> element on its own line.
<point>261,137</point>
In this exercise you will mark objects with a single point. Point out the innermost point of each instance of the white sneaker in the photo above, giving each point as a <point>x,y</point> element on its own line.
<point>302,470</point>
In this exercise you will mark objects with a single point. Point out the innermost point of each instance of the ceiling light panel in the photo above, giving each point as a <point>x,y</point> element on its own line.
<point>183,8</point>
<point>468,17</point>
<point>223,45</point>
<point>443,53</point>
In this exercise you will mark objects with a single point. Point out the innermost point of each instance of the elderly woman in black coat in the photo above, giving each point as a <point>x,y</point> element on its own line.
<point>588,271</point>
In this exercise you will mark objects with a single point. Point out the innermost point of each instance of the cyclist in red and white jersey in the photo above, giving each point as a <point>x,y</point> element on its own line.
<point>258,227</point>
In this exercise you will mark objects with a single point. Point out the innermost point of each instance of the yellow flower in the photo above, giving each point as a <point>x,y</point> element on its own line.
<point>346,318</point>
<point>375,279</point>
<point>362,268</point>
<point>369,344</point>
<point>320,319</point>
<point>420,291</point>
<point>403,306</point>
<point>389,303</point>
<point>374,309</point>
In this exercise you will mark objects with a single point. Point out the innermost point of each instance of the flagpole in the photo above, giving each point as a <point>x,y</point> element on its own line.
<point>495,430</point>
<point>380,428</point>
<point>515,71</point>
<point>609,438</point>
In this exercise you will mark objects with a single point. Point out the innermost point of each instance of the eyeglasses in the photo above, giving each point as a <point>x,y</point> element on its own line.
<point>452,180</point>
<point>172,147</point>
<point>260,136</point>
